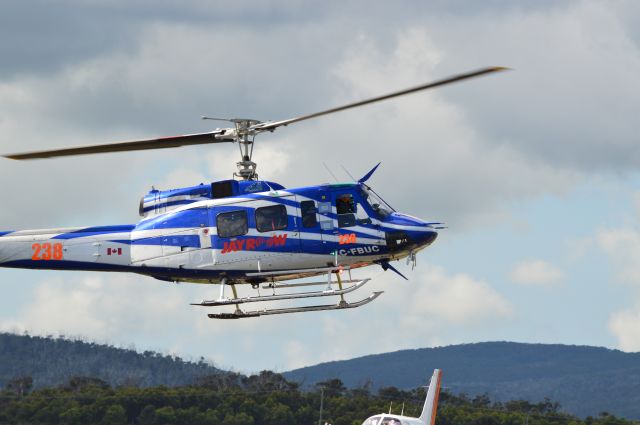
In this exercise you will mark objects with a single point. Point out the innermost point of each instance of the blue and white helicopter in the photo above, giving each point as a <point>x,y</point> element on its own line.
<point>240,231</point>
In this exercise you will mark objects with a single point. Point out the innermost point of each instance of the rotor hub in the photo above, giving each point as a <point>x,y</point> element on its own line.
<point>245,137</point>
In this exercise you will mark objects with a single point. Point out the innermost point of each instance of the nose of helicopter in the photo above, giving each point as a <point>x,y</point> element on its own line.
<point>426,238</point>
<point>411,232</point>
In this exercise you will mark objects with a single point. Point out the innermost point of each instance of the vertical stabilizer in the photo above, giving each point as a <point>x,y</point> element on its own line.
<point>428,416</point>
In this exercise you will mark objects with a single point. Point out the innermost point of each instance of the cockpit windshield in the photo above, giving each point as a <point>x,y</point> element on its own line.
<point>374,420</point>
<point>380,420</point>
<point>376,202</point>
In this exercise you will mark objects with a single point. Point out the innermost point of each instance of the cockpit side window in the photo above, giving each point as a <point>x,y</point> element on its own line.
<point>346,208</point>
<point>345,204</point>
<point>231,224</point>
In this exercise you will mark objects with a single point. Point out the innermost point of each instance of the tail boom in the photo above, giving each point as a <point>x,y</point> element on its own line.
<point>83,248</point>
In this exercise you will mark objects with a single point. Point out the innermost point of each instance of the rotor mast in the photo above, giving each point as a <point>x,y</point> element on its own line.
<point>245,138</point>
<point>244,135</point>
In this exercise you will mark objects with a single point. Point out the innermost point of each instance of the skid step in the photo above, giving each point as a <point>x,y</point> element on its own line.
<point>264,298</point>
<point>239,314</point>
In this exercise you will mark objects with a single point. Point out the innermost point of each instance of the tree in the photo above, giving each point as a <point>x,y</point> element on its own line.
<point>482,400</point>
<point>147,416</point>
<point>115,415</point>
<point>220,381</point>
<point>21,385</point>
<point>332,387</point>
<point>268,381</point>
<point>166,415</point>
<point>279,415</point>
<point>239,419</point>
<point>81,383</point>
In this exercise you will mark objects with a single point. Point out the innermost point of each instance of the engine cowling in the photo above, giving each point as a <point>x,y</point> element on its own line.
<point>161,201</point>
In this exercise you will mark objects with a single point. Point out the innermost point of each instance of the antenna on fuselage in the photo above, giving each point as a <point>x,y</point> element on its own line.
<point>348,173</point>
<point>329,170</point>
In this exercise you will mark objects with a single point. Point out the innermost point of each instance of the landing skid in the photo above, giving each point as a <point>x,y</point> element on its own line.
<point>329,291</point>
<point>264,298</point>
<point>239,314</point>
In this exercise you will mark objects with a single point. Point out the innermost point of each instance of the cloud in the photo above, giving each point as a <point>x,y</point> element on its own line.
<point>623,248</point>
<point>456,299</point>
<point>173,70</point>
<point>536,272</point>
<point>625,325</point>
<point>103,308</point>
<point>429,310</point>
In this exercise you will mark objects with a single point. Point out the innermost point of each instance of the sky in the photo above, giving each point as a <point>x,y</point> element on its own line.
<point>533,170</point>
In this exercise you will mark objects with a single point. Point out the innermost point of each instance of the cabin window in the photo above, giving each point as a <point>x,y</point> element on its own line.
<point>308,209</point>
<point>222,189</point>
<point>271,218</point>
<point>324,207</point>
<point>326,224</point>
<point>346,208</point>
<point>232,224</point>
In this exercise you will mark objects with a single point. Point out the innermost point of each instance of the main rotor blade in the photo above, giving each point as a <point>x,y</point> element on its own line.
<point>133,145</point>
<point>270,126</point>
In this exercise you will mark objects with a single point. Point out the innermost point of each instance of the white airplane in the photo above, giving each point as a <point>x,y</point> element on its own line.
<point>428,416</point>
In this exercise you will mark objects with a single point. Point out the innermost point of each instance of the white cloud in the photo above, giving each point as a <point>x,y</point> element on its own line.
<point>457,299</point>
<point>536,272</point>
<point>428,310</point>
<point>297,355</point>
<point>623,247</point>
<point>103,308</point>
<point>625,325</point>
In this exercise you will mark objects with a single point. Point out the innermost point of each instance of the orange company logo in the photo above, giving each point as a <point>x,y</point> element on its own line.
<point>251,244</point>
<point>347,238</point>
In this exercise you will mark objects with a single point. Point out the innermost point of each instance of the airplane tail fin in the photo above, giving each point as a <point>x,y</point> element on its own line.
<point>428,416</point>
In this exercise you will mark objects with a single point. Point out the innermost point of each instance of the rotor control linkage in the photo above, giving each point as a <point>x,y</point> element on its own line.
<point>264,298</point>
<point>239,314</point>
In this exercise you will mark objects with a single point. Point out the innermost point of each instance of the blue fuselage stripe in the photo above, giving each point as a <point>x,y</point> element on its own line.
<point>98,230</point>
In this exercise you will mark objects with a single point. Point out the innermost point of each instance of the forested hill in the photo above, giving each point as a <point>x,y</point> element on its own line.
<point>584,380</point>
<point>52,362</point>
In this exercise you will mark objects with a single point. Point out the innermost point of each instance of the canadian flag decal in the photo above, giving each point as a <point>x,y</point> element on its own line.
<point>114,251</point>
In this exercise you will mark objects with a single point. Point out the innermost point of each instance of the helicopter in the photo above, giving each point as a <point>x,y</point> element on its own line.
<point>243,230</point>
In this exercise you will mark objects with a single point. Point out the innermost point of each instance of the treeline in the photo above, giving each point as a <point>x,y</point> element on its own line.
<point>262,399</point>
<point>51,361</point>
